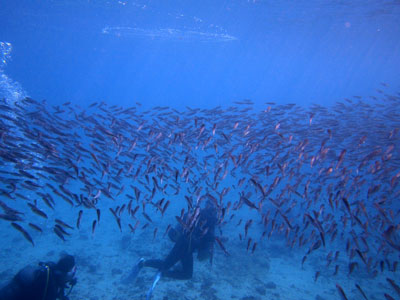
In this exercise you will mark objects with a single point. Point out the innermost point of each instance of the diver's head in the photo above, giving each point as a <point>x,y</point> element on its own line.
<point>209,213</point>
<point>209,203</point>
<point>66,267</point>
<point>66,263</point>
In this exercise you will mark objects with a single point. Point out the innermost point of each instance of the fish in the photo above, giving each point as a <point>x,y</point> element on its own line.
<point>36,227</point>
<point>98,194</point>
<point>285,159</point>
<point>10,217</point>
<point>117,219</point>
<point>133,212</point>
<point>147,217</point>
<point>394,285</point>
<point>23,231</point>
<point>167,229</point>
<point>221,246</point>
<point>336,270</point>
<point>59,233</point>
<point>361,291</point>
<point>98,215</point>
<point>352,265</point>
<point>248,202</point>
<point>94,223</point>
<point>254,248</point>
<point>317,273</point>
<point>248,244</point>
<point>78,221</point>
<point>247,226</point>
<point>61,229</point>
<point>95,158</point>
<point>63,224</point>
<point>165,208</point>
<point>314,247</point>
<point>341,292</point>
<point>340,159</point>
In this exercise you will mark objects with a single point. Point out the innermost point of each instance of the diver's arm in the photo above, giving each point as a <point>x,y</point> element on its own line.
<point>67,285</point>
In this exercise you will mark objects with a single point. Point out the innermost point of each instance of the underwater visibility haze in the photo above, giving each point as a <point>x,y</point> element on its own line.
<point>122,122</point>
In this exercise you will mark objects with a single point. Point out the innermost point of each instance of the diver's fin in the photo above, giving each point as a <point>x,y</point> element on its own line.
<point>134,273</point>
<point>150,291</point>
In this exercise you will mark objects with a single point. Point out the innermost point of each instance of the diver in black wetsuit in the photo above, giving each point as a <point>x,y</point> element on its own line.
<point>195,232</point>
<point>200,239</point>
<point>46,281</point>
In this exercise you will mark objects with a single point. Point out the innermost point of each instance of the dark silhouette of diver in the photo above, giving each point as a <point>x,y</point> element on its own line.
<point>187,240</point>
<point>46,281</point>
<point>195,232</point>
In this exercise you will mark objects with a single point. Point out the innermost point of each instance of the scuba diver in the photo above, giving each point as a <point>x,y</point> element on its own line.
<point>46,281</point>
<point>195,232</point>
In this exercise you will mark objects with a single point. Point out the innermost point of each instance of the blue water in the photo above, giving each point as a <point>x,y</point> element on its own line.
<point>286,51</point>
<point>337,61</point>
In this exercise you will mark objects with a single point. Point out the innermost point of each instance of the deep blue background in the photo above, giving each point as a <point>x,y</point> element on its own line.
<point>304,52</point>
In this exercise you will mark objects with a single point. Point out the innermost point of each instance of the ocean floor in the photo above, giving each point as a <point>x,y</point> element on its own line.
<point>273,272</point>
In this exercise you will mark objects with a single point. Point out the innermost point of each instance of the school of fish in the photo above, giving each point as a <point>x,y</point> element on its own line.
<point>321,177</point>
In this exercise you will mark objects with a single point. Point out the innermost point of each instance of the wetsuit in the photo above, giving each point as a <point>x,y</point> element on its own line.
<point>201,239</point>
<point>42,282</point>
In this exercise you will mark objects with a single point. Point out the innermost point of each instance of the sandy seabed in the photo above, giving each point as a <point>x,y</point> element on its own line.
<point>273,272</point>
